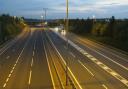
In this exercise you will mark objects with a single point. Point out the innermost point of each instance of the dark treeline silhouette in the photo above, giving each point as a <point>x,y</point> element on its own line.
<point>109,31</point>
<point>10,26</point>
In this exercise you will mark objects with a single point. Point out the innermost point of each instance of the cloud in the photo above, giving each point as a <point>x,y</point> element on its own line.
<point>34,8</point>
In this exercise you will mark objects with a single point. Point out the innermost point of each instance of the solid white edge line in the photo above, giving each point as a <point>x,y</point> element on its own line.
<point>16,62</point>
<point>108,58</point>
<point>86,68</point>
<point>121,80</point>
<point>65,63</point>
<point>49,66</point>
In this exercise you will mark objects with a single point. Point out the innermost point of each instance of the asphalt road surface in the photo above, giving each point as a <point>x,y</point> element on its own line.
<point>41,59</point>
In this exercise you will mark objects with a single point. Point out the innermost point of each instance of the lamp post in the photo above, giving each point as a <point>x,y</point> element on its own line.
<point>42,17</point>
<point>45,13</point>
<point>67,23</point>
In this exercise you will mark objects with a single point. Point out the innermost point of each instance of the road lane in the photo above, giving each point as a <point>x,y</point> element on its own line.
<point>101,75</point>
<point>77,69</point>
<point>40,78</point>
<point>118,63</point>
<point>19,76</point>
<point>8,58</point>
<point>38,65</point>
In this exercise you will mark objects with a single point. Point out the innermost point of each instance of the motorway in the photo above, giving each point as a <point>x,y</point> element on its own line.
<point>41,59</point>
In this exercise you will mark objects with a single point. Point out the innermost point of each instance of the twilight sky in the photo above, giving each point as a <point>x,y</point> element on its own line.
<point>56,8</point>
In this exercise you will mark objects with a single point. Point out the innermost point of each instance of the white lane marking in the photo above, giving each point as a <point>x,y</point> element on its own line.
<point>86,68</point>
<point>7,79</point>
<point>13,68</point>
<point>108,58</point>
<point>49,67</point>
<point>103,66</point>
<point>64,62</point>
<point>30,75</point>
<point>107,51</point>
<point>4,85</point>
<point>11,72</point>
<point>32,62</point>
<point>7,57</point>
<point>15,65</point>
<point>109,70</point>
<point>85,53</point>
<point>33,53</point>
<point>72,54</point>
<point>99,63</point>
<point>104,86</point>
<point>9,75</point>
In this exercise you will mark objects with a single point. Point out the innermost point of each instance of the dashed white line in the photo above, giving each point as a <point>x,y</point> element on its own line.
<point>103,66</point>
<point>7,57</point>
<point>4,85</point>
<point>15,65</point>
<point>11,71</point>
<point>33,53</point>
<point>7,79</point>
<point>80,87</point>
<point>32,62</point>
<point>13,68</point>
<point>9,75</point>
<point>109,59</point>
<point>30,75</point>
<point>104,86</point>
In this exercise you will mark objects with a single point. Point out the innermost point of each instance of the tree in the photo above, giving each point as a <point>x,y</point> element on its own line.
<point>110,29</point>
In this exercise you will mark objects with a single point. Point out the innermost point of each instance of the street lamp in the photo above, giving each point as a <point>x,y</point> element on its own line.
<point>42,17</point>
<point>64,32</point>
<point>67,23</point>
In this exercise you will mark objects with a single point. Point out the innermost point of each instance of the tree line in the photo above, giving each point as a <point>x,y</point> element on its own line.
<point>10,26</point>
<point>109,30</point>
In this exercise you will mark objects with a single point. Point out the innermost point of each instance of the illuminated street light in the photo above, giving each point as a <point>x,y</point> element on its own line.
<point>42,17</point>
<point>56,29</point>
<point>93,16</point>
<point>63,32</point>
<point>14,17</point>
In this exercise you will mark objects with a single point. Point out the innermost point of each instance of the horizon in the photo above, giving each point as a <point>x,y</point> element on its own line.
<point>77,9</point>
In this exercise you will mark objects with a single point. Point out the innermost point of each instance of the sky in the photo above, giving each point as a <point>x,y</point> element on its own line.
<point>56,9</point>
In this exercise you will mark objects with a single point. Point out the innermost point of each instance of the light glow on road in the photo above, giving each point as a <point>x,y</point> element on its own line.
<point>56,29</point>
<point>63,32</point>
